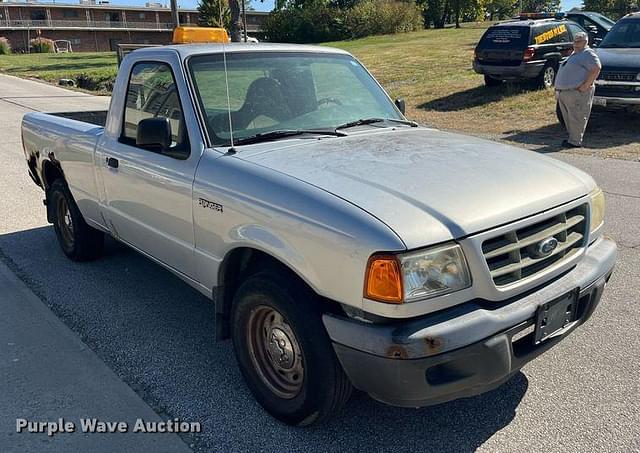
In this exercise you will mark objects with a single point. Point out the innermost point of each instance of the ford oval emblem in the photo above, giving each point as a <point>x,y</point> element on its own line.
<point>545,247</point>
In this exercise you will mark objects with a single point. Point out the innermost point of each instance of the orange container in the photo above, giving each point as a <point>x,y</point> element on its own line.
<point>186,35</point>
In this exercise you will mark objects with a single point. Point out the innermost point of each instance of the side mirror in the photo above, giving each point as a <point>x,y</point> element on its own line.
<point>154,134</point>
<point>402,106</point>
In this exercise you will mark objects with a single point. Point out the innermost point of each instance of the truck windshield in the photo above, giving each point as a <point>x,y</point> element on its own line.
<point>601,20</point>
<point>625,33</point>
<point>275,91</point>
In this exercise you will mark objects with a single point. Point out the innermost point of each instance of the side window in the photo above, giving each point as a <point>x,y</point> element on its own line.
<point>575,29</point>
<point>152,93</point>
<point>551,34</point>
<point>577,19</point>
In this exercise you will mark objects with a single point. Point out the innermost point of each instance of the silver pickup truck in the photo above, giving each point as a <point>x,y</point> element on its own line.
<point>343,245</point>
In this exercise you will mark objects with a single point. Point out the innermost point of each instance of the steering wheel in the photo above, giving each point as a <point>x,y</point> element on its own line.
<point>329,101</point>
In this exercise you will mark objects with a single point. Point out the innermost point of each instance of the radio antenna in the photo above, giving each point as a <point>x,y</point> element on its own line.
<point>231,150</point>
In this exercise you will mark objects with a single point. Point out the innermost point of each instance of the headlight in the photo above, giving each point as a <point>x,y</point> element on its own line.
<point>597,209</point>
<point>417,275</point>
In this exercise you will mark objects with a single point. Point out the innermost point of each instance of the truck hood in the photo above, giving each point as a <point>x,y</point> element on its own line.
<point>619,58</point>
<point>427,185</point>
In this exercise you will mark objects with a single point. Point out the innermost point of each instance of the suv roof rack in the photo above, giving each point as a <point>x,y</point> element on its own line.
<point>541,16</point>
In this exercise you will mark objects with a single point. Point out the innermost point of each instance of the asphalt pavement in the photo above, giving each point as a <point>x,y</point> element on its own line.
<point>50,376</point>
<point>156,334</point>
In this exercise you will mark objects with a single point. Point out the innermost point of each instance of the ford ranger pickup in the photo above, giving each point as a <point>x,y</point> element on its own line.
<point>342,245</point>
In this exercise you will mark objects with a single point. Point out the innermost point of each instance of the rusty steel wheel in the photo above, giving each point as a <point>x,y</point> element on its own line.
<point>64,222</point>
<point>275,352</point>
<point>283,350</point>
<point>78,240</point>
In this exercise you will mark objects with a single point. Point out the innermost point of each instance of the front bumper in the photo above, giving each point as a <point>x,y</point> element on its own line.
<point>616,93</point>
<point>610,100</point>
<point>465,350</point>
<point>527,70</point>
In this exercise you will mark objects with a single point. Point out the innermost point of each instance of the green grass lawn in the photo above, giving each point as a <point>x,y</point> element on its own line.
<point>432,70</point>
<point>98,69</point>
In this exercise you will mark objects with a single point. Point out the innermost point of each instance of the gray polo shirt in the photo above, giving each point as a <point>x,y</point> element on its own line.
<point>574,70</point>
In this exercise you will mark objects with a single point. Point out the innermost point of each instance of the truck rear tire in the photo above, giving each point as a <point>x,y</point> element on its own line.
<point>491,82</point>
<point>284,352</point>
<point>78,240</point>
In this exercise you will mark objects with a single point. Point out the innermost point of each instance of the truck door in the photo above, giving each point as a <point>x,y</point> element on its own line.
<point>148,190</point>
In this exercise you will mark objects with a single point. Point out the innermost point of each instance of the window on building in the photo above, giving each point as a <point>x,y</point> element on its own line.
<point>152,93</point>
<point>38,14</point>
<point>75,41</point>
<point>112,17</point>
<point>70,14</point>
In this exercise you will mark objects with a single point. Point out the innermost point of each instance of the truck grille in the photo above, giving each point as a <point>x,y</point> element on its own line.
<point>511,256</point>
<point>618,76</point>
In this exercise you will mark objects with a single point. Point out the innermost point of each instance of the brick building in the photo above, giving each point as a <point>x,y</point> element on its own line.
<point>97,26</point>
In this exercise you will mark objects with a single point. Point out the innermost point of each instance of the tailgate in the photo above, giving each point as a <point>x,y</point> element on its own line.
<point>503,45</point>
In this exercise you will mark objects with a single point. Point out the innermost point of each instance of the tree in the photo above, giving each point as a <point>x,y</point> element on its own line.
<point>236,24</point>
<point>210,16</point>
<point>612,8</point>
<point>540,6</point>
<point>499,9</point>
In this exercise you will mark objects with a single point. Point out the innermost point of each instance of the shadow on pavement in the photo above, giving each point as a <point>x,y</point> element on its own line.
<point>157,334</point>
<point>606,129</point>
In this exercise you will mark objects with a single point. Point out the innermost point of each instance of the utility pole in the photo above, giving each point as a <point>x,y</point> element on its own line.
<point>244,21</point>
<point>174,13</point>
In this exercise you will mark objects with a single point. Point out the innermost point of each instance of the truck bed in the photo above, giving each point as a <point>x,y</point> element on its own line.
<point>97,117</point>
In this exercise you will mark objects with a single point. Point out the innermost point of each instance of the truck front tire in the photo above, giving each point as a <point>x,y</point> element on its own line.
<point>284,352</point>
<point>78,240</point>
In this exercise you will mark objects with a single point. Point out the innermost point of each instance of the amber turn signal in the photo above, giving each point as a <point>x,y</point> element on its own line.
<point>383,281</point>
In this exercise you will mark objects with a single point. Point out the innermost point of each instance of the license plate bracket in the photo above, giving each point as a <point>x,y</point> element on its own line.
<point>554,316</point>
<point>600,102</point>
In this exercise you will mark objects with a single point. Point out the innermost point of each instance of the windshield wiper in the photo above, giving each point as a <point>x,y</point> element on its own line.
<point>362,122</point>
<point>283,133</point>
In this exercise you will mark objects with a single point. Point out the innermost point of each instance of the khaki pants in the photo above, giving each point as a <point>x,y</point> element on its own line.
<point>576,109</point>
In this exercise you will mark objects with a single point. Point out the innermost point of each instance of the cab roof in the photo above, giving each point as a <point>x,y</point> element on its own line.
<point>187,50</point>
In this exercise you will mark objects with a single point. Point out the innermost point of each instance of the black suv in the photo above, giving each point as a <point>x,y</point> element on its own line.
<point>595,24</point>
<point>524,49</point>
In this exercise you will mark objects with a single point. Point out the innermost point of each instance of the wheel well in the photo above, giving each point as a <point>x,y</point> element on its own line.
<point>237,266</point>
<point>50,172</point>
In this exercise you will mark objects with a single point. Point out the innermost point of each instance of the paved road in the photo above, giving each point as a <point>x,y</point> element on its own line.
<point>156,334</point>
<point>48,374</point>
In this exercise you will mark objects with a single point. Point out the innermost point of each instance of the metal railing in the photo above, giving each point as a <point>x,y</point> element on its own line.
<point>83,24</point>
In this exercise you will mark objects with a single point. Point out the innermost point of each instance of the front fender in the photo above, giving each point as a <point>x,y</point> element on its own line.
<point>324,239</point>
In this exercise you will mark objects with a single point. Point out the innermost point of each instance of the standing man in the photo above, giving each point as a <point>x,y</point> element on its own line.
<point>574,88</point>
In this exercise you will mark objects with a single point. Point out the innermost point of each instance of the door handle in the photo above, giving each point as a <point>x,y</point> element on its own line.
<point>112,162</point>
